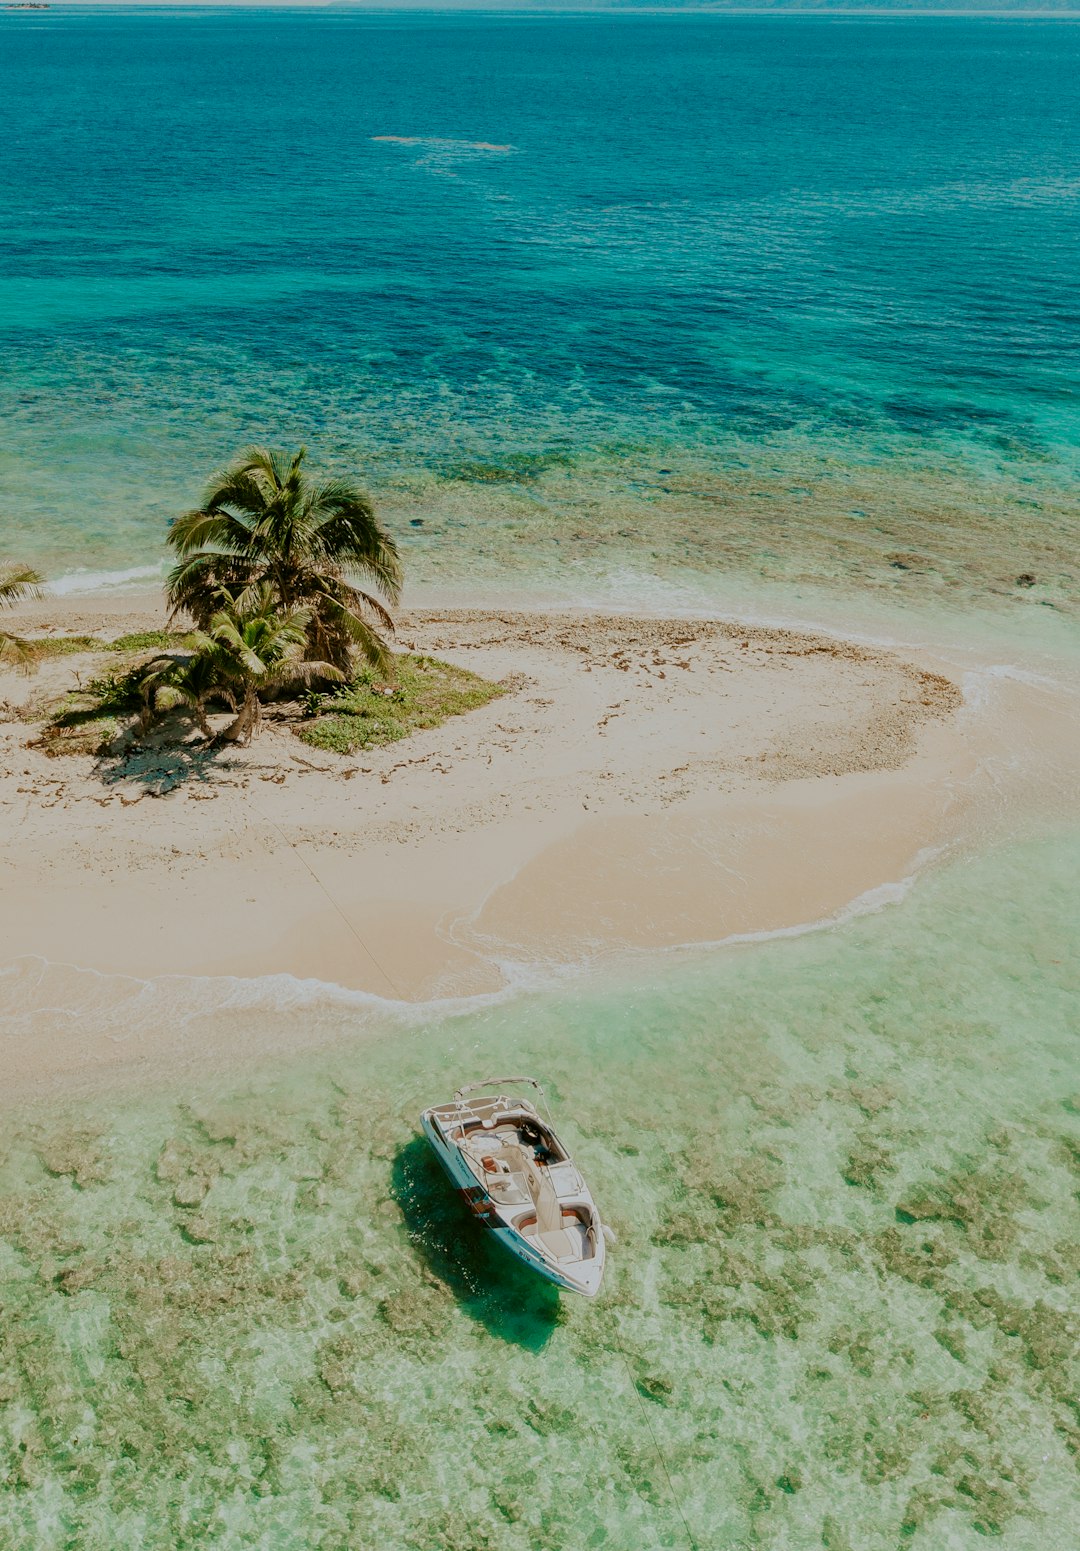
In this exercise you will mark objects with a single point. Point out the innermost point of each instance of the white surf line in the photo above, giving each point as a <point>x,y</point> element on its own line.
<point>295,991</point>
<point>75,584</point>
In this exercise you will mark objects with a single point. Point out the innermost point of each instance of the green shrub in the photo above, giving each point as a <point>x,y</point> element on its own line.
<point>114,692</point>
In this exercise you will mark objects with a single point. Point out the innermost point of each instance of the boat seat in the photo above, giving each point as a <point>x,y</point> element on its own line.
<point>570,1242</point>
<point>561,1245</point>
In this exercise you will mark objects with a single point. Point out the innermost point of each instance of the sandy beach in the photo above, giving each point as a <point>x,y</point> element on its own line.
<point>640,784</point>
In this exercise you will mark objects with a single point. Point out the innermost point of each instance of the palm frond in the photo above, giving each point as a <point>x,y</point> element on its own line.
<point>359,633</point>
<point>340,497</point>
<point>301,670</point>
<point>249,482</point>
<point>228,634</point>
<point>350,536</point>
<point>359,602</point>
<point>245,602</point>
<point>211,527</point>
<point>169,696</point>
<point>16,653</point>
<point>18,582</point>
<point>198,585</point>
<point>294,478</point>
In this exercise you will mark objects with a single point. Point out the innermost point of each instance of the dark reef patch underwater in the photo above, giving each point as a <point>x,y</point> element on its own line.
<point>842,1311</point>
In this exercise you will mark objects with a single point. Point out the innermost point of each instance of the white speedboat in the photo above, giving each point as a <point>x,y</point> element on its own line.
<point>520,1181</point>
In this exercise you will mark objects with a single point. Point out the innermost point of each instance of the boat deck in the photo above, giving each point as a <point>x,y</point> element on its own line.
<point>527,1182</point>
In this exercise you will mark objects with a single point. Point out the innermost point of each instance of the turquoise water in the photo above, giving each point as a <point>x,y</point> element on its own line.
<point>842,1311</point>
<point>748,310</point>
<point>642,297</point>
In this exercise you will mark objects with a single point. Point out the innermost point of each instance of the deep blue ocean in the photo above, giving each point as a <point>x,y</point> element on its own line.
<point>600,299</point>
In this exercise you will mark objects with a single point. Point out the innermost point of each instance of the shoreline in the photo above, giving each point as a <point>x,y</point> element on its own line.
<point>355,1018</point>
<point>643,784</point>
<point>904,625</point>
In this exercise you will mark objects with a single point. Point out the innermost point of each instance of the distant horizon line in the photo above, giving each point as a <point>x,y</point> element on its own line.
<point>1069,10</point>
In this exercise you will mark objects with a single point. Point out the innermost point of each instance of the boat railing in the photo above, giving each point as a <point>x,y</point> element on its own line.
<point>494,1082</point>
<point>499,1082</point>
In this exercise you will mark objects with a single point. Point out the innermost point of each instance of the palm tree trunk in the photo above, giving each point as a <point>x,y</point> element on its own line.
<point>246,724</point>
<point>198,711</point>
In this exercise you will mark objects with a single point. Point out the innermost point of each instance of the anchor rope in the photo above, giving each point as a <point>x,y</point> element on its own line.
<point>321,885</point>
<point>690,1539</point>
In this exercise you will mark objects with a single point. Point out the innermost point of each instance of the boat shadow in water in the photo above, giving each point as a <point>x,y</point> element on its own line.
<point>488,1283</point>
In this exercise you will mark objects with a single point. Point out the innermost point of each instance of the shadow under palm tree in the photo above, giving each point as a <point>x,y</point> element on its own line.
<point>161,768</point>
<point>489,1284</point>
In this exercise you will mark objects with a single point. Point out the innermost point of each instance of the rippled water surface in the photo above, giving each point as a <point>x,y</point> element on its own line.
<point>584,297</point>
<point>842,1311</point>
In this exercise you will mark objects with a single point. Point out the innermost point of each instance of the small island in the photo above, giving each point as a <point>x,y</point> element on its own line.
<point>451,787</point>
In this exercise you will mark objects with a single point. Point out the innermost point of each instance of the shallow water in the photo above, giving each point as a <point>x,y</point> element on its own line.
<point>841,1312</point>
<point>776,297</point>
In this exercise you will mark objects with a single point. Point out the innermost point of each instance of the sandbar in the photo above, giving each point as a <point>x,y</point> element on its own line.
<point>642,784</point>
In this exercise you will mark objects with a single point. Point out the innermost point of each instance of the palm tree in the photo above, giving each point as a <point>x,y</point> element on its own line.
<point>244,651</point>
<point>17,582</point>
<point>167,683</point>
<point>316,545</point>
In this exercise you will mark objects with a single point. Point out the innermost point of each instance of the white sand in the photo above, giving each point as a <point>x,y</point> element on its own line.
<point>642,783</point>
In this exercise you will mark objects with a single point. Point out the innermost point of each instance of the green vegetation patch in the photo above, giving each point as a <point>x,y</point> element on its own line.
<point>151,640</point>
<point>371,710</point>
<point>424,692</point>
<point>86,720</point>
<point>41,648</point>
